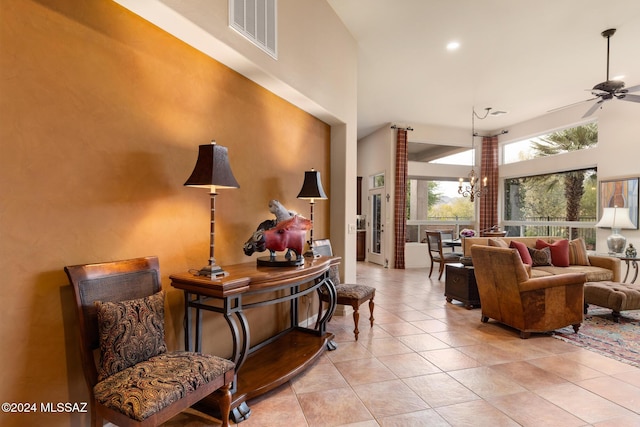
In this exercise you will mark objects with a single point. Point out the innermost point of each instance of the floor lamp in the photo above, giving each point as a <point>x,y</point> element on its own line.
<point>212,171</point>
<point>312,190</point>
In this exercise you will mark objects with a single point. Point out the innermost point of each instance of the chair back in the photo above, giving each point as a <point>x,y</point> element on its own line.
<point>446,234</point>
<point>323,247</point>
<point>498,273</point>
<point>107,282</point>
<point>434,240</point>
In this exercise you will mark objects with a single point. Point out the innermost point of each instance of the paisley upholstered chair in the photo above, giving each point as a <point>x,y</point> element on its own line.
<point>135,381</point>
<point>347,294</point>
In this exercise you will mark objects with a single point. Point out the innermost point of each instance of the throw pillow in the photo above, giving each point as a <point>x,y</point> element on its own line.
<point>578,252</point>
<point>130,332</point>
<point>523,251</point>
<point>540,257</point>
<point>559,251</point>
<point>499,243</point>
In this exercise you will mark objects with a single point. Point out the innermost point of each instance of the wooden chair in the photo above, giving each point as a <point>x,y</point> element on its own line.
<point>448,235</point>
<point>347,294</point>
<point>436,253</point>
<point>134,381</point>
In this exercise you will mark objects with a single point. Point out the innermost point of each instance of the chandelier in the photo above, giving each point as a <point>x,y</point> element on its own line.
<point>473,188</point>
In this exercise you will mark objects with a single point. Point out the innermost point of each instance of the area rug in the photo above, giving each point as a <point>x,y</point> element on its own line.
<point>601,334</point>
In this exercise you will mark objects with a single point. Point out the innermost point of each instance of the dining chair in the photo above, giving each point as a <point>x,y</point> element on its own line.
<point>132,379</point>
<point>437,254</point>
<point>449,236</point>
<point>347,294</point>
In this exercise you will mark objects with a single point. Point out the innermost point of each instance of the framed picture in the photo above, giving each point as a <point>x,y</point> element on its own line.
<point>622,193</point>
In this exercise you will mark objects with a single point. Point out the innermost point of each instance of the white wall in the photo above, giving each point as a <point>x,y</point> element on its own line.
<point>376,154</point>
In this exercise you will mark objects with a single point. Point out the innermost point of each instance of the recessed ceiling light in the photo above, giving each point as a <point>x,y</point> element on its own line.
<point>453,45</point>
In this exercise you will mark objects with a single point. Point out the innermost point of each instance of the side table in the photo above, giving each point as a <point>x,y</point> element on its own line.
<point>632,264</point>
<point>460,284</point>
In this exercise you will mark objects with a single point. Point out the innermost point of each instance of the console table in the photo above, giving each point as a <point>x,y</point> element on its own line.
<point>460,284</point>
<point>266,365</point>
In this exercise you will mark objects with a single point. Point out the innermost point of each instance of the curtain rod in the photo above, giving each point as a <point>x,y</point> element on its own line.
<point>502,132</point>
<point>397,127</point>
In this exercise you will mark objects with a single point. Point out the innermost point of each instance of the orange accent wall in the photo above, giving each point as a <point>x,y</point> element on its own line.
<point>101,114</point>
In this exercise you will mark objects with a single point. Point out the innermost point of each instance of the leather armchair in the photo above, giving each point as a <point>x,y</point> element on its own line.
<point>508,295</point>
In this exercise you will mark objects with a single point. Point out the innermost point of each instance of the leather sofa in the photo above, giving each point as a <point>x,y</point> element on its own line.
<point>600,268</point>
<point>510,296</point>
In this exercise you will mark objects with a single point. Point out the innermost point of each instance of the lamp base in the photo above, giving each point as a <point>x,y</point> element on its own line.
<point>213,271</point>
<point>311,253</point>
<point>616,242</point>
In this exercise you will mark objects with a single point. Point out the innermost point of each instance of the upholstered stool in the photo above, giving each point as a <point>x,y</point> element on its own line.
<point>616,296</point>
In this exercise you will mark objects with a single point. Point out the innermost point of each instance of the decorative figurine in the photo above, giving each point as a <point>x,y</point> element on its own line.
<point>631,251</point>
<point>286,232</point>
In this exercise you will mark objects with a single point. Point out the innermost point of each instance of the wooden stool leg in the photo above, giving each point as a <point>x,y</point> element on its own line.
<point>225,404</point>
<point>371,306</point>
<point>356,318</point>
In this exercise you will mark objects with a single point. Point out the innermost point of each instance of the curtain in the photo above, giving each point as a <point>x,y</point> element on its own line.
<point>400,210</point>
<point>489,168</point>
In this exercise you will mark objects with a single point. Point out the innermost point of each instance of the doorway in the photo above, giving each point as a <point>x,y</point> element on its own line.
<point>377,213</point>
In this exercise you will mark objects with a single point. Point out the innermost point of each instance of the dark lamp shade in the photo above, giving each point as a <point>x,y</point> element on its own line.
<point>212,169</point>
<point>312,186</point>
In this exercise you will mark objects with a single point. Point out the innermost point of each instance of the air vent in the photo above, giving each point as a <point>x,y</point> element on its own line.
<point>256,20</point>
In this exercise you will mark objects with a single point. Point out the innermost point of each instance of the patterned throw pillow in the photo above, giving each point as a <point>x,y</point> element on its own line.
<point>130,332</point>
<point>578,252</point>
<point>540,257</point>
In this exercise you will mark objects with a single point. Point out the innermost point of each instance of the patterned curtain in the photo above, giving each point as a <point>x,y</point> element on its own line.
<point>489,168</point>
<point>400,210</point>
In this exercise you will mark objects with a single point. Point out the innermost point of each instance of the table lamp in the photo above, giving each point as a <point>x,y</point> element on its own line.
<point>212,171</point>
<point>616,218</point>
<point>311,190</point>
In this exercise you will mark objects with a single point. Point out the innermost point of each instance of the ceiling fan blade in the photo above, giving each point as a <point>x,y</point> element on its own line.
<point>632,98</point>
<point>571,105</point>
<point>593,108</point>
<point>633,88</point>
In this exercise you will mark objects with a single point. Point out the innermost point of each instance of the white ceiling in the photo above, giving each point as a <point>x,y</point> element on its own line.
<point>523,57</point>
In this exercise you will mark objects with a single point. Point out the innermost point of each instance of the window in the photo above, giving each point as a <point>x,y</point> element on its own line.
<point>550,204</point>
<point>377,181</point>
<point>563,141</point>
<point>436,200</point>
<point>435,204</point>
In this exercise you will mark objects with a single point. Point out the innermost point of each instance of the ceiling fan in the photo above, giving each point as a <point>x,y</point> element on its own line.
<point>608,89</point>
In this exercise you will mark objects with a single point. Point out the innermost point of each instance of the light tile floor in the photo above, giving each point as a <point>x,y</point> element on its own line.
<point>430,363</point>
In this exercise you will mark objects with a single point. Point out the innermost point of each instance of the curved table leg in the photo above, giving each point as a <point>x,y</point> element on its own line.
<point>322,323</point>
<point>241,342</point>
